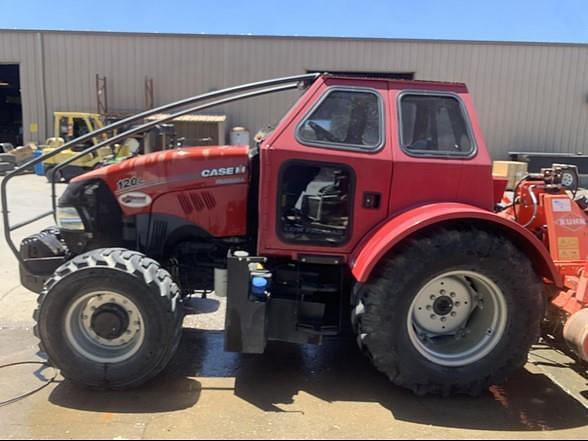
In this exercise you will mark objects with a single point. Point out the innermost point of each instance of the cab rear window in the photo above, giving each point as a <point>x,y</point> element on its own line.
<point>434,125</point>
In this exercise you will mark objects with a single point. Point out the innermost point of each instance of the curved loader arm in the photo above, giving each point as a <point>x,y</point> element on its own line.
<point>394,231</point>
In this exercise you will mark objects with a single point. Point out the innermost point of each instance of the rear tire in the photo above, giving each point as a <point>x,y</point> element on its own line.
<point>110,319</point>
<point>392,312</point>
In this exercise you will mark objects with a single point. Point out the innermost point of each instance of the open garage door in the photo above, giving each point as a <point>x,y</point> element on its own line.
<point>11,129</point>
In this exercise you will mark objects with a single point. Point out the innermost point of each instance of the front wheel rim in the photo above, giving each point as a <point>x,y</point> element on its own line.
<point>457,318</point>
<point>104,327</point>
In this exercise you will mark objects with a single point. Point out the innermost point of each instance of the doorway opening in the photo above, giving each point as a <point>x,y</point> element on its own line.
<point>11,129</point>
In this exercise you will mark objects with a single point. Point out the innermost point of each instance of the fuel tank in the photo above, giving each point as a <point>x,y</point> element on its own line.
<point>205,186</point>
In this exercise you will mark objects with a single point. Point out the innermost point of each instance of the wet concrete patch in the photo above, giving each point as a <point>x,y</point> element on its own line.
<point>335,372</point>
<point>291,391</point>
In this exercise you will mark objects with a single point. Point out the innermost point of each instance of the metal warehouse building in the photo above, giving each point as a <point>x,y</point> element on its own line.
<point>529,96</point>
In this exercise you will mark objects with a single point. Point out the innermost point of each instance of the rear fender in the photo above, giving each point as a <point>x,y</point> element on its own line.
<point>393,232</point>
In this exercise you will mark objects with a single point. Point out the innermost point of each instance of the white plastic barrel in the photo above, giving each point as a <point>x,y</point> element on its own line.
<point>239,136</point>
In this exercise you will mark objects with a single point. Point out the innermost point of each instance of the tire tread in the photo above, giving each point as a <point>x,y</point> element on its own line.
<point>140,267</point>
<point>373,303</point>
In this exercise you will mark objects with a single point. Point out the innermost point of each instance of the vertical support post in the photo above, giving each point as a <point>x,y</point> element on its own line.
<point>149,94</point>
<point>101,95</point>
<point>221,133</point>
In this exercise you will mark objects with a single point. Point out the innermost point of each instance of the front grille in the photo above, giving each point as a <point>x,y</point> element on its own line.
<point>159,234</point>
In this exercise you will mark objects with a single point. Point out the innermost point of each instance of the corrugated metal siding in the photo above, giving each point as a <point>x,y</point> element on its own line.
<point>25,49</point>
<point>528,96</point>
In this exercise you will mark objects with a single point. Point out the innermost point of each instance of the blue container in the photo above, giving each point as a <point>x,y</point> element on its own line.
<point>39,168</point>
<point>258,287</point>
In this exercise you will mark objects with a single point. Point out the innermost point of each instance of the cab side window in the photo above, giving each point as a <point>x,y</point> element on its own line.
<point>345,118</point>
<point>434,125</point>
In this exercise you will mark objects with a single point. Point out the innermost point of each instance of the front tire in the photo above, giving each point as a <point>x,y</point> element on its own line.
<point>109,319</point>
<point>453,312</point>
<point>52,177</point>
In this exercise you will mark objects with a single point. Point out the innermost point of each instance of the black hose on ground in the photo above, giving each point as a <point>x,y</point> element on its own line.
<point>28,394</point>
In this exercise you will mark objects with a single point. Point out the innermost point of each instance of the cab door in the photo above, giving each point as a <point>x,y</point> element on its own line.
<point>326,171</point>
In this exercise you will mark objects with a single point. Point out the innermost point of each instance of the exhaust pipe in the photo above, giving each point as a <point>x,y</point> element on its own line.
<point>576,333</point>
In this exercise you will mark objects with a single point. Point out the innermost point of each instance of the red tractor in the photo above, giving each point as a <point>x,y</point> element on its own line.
<point>371,204</point>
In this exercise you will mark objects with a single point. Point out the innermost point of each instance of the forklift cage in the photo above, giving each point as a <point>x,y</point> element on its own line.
<point>237,93</point>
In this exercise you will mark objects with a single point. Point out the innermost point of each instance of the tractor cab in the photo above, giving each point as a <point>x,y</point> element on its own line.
<point>358,151</point>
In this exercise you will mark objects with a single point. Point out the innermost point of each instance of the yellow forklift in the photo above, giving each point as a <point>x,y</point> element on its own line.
<point>71,125</point>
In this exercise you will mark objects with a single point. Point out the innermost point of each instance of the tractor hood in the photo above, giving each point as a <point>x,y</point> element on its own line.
<point>139,181</point>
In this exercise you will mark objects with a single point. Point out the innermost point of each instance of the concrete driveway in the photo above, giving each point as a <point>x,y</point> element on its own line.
<point>290,392</point>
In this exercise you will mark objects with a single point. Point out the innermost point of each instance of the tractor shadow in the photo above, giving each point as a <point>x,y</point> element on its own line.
<point>334,372</point>
<point>164,394</point>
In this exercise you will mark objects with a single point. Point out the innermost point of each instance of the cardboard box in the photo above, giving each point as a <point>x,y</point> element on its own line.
<point>511,170</point>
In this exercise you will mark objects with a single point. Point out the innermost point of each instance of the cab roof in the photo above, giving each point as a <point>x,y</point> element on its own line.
<point>401,84</point>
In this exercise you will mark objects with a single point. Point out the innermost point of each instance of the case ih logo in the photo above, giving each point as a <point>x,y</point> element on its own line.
<point>223,171</point>
<point>571,223</point>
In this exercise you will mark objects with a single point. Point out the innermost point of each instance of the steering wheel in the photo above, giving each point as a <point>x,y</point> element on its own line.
<point>322,133</point>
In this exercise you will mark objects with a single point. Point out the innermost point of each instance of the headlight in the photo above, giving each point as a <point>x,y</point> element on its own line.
<point>68,218</point>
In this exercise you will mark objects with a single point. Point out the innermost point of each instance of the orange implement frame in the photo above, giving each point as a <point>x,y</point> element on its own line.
<point>553,216</point>
<point>567,236</point>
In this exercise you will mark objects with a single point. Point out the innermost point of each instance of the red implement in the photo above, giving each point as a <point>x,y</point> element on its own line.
<point>553,216</point>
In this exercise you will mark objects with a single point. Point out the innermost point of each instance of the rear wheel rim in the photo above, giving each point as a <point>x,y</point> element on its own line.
<point>457,318</point>
<point>105,327</point>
